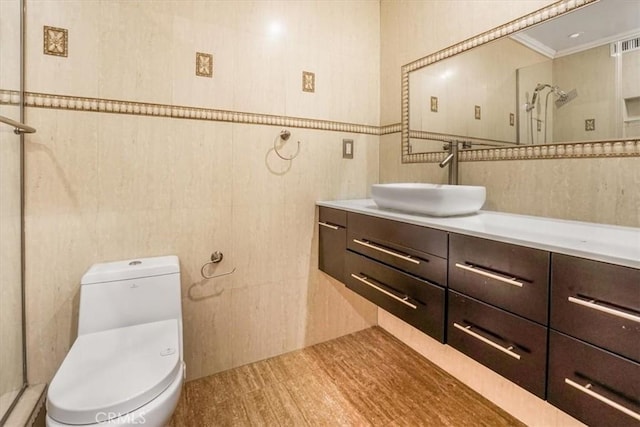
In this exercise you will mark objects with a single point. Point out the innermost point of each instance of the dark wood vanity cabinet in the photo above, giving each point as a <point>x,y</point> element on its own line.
<point>400,267</point>
<point>596,386</point>
<point>512,346</point>
<point>414,300</point>
<point>498,307</point>
<point>564,328</point>
<point>514,278</point>
<point>594,342</point>
<point>417,250</point>
<point>332,236</point>
<point>598,303</point>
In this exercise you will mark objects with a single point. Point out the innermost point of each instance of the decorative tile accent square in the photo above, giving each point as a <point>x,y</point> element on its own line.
<point>434,104</point>
<point>56,41</point>
<point>204,64</point>
<point>590,125</point>
<point>308,81</point>
<point>477,112</point>
<point>512,119</point>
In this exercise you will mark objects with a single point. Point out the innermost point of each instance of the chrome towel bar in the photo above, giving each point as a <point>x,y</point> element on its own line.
<point>19,128</point>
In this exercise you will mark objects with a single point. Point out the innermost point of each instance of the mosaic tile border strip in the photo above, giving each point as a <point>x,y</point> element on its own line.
<point>627,148</point>
<point>9,97</point>
<point>622,148</point>
<point>443,137</point>
<point>64,102</point>
<point>556,9</point>
<point>578,150</point>
<point>389,129</point>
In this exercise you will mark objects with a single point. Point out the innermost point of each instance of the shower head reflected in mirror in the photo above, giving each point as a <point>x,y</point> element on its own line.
<point>565,97</point>
<point>562,98</point>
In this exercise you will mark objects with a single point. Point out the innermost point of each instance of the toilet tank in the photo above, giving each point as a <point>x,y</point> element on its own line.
<point>125,293</point>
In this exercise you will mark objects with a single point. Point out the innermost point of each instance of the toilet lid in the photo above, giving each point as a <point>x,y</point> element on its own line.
<point>114,372</point>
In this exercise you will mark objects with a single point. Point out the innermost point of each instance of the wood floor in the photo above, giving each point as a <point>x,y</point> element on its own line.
<point>366,378</point>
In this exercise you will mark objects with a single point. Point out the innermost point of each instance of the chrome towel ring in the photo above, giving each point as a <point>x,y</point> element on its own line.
<point>284,136</point>
<point>216,257</point>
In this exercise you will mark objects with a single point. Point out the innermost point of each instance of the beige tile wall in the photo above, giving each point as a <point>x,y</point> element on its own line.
<point>596,95</point>
<point>457,84</point>
<point>103,187</point>
<point>410,30</point>
<point>594,190</point>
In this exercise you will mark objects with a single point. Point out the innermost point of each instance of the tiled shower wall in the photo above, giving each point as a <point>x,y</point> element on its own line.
<point>104,186</point>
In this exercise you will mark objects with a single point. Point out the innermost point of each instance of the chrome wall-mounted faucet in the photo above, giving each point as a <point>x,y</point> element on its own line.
<point>452,161</point>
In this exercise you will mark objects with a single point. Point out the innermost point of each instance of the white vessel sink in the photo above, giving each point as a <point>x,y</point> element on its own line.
<point>429,199</point>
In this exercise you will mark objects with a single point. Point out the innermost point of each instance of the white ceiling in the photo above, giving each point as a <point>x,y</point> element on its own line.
<point>599,23</point>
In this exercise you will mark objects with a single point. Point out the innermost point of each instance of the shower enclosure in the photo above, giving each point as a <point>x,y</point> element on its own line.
<point>561,98</point>
<point>12,354</point>
<point>592,94</point>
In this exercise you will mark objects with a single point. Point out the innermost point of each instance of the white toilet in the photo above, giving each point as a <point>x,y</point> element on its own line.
<point>126,367</point>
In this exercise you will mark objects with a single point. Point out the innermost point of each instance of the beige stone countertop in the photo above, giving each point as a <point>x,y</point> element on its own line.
<point>599,242</point>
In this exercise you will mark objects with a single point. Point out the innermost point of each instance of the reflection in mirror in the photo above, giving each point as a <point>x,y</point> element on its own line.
<point>471,96</point>
<point>588,87</point>
<point>572,78</point>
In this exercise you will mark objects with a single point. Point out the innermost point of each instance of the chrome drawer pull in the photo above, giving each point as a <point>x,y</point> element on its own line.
<point>324,224</point>
<point>477,270</point>
<point>386,251</point>
<point>467,330</point>
<point>586,390</point>
<point>593,305</point>
<point>397,298</point>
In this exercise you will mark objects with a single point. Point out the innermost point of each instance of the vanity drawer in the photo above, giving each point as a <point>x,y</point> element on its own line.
<point>514,347</point>
<point>597,387</point>
<point>417,250</point>
<point>415,301</point>
<point>332,237</point>
<point>333,216</point>
<point>508,276</point>
<point>597,302</point>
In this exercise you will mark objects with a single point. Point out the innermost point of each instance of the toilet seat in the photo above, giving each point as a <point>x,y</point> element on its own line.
<point>111,373</point>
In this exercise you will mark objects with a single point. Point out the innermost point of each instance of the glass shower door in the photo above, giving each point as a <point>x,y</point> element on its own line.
<point>12,376</point>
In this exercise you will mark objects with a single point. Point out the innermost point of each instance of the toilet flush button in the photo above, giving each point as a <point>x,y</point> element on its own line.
<point>167,351</point>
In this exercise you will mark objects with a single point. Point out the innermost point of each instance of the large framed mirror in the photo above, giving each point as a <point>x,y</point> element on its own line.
<point>559,82</point>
